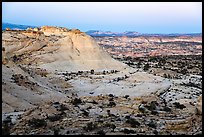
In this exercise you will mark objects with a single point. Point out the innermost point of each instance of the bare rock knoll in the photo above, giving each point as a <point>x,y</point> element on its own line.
<point>56,48</point>
<point>31,57</point>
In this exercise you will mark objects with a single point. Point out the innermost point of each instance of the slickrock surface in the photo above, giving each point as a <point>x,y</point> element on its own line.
<point>110,115</point>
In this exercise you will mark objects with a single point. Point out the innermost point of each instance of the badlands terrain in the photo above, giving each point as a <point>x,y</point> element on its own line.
<point>60,81</point>
<point>152,45</point>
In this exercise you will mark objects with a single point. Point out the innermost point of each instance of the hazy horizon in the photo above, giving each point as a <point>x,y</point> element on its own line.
<point>142,17</point>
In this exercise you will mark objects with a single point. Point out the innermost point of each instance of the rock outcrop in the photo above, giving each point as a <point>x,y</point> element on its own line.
<point>55,48</point>
<point>31,57</point>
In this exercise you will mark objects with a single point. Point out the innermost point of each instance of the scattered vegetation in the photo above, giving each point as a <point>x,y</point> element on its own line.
<point>90,126</point>
<point>152,124</point>
<point>133,122</point>
<point>172,66</point>
<point>128,131</point>
<point>112,104</point>
<point>146,67</point>
<point>101,132</point>
<point>92,71</point>
<point>55,117</point>
<point>178,105</point>
<point>37,123</point>
<point>76,101</point>
<point>6,126</point>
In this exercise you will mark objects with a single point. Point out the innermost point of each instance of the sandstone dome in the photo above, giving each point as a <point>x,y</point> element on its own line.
<point>57,48</point>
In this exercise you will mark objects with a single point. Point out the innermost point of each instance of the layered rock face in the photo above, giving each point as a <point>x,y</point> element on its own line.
<point>56,48</point>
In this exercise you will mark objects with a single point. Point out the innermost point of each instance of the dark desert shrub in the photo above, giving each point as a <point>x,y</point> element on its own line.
<point>36,123</point>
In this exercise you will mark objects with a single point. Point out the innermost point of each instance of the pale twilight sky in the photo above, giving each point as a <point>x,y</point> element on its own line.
<point>143,17</point>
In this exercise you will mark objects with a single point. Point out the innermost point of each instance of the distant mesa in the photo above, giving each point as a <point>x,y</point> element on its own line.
<point>97,33</point>
<point>109,33</point>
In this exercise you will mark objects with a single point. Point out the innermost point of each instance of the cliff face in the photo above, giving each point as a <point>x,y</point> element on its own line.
<point>56,48</point>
